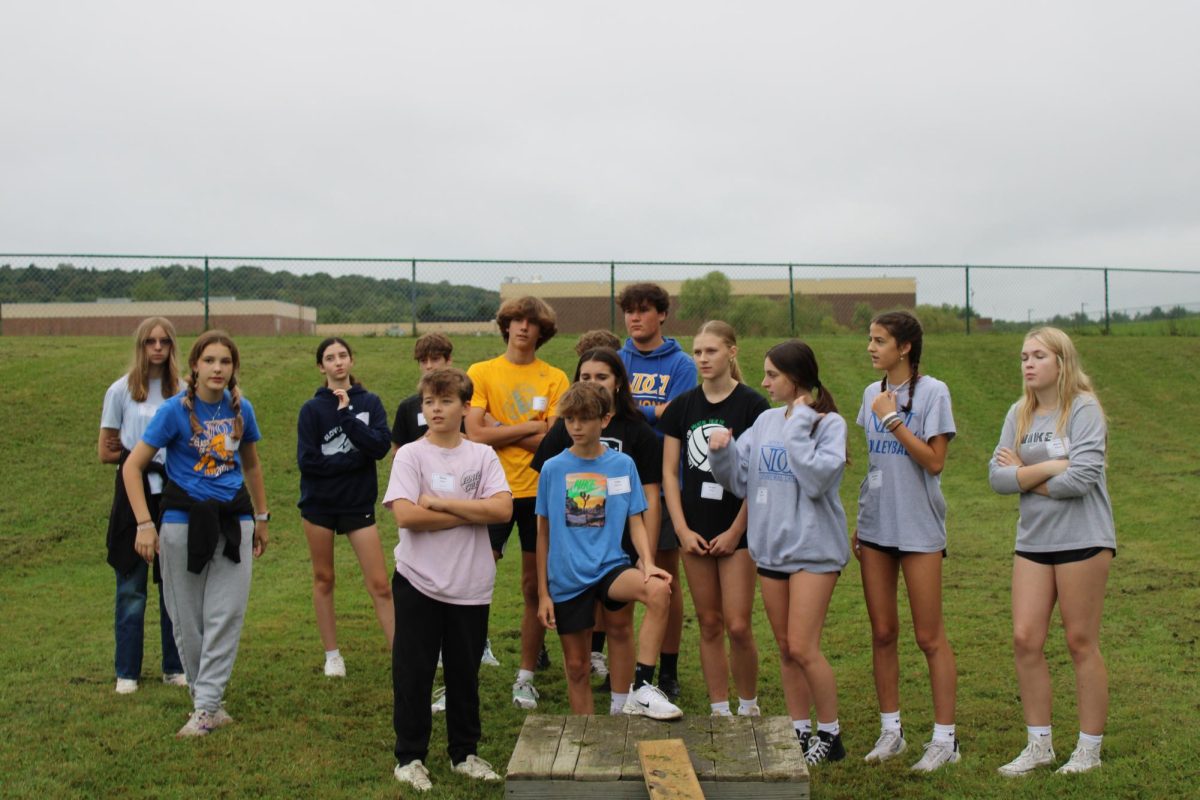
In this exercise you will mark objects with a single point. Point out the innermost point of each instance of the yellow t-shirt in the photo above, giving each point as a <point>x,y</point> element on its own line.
<point>515,393</point>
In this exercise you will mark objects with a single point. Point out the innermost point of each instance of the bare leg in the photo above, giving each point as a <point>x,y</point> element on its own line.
<point>1081,600</point>
<point>705,585</point>
<point>880,578</point>
<point>923,579</point>
<point>669,560</point>
<point>320,548</point>
<point>796,693</point>
<point>533,634</point>
<point>577,654</point>
<point>808,600</point>
<point>365,542</point>
<point>1033,596</point>
<point>619,627</point>
<point>655,595</point>
<point>737,599</point>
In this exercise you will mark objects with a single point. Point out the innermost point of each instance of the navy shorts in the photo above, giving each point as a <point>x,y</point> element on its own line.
<point>341,523</point>
<point>579,612</point>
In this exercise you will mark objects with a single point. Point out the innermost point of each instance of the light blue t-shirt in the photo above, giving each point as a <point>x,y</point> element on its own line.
<point>586,502</point>
<point>206,465</point>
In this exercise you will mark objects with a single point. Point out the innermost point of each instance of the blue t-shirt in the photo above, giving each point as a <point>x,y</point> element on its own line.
<point>586,502</point>
<point>206,465</point>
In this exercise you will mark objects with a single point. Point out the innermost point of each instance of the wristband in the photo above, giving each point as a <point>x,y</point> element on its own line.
<point>147,524</point>
<point>263,517</point>
<point>887,419</point>
<point>895,424</point>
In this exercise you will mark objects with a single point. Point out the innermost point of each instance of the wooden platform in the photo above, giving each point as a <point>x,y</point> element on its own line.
<point>597,757</point>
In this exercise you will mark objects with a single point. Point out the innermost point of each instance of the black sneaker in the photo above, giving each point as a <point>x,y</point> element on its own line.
<point>543,660</point>
<point>825,747</point>
<point>669,685</point>
<point>804,737</point>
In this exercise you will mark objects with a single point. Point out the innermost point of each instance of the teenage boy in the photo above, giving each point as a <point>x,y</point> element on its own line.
<point>431,351</point>
<point>585,495</point>
<point>444,491</point>
<point>659,371</point>
<point>597,338</point>
<point>514,404</point>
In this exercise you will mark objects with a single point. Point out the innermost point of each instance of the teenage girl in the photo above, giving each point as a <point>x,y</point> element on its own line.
<point>710,522</point>
<point>342,432</point>
<point>629,433</point>
<point>902,527</point>
<point>1052,451</point>
<point>129,404</point>
<point>209,525</point>
<point>788,467</point>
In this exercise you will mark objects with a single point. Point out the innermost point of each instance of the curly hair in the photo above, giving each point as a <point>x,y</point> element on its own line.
<point>532,309</point>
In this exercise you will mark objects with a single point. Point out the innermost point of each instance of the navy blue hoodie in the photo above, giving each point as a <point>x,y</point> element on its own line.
<point>658,376</point>
<point>337,451</point>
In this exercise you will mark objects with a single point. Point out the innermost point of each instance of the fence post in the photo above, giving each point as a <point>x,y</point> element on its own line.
<point>412,296</point>
<point>791,300</point>
<point>967,274</point>
<point>612,296</point>
<point>206,293</point>
<point>1107,325</point>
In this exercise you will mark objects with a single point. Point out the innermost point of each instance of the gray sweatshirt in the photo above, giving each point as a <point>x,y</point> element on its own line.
<point>790,481</point>
<point>1077,514</point>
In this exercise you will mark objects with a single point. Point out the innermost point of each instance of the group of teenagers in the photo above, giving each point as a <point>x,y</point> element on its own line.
<point>651,459</point>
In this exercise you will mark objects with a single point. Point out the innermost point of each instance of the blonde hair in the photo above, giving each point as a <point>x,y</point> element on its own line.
<point>1072,382</point>
<point>235,394</point>
<point>138,377</point>
<point>725,332</point>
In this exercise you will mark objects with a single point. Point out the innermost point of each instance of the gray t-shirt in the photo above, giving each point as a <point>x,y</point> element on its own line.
<point>122,413</point>
<point>1077,514</point>
<point>899,503</point>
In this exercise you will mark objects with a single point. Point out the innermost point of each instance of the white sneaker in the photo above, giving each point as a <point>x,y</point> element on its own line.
<point>1084,758</point>
<point>649,701</point>
<point>525,695</point>
<point>1037,753</point>
<point>599,665</point>
<point>489,658</point>
<point>936,754</point>
<point>126,685</point>
<point>414,774</point>
<point>722,712</point>
<point>752,711</point>
<point>438,705</point>
<point>889,745</point>
<point>475,767</point>
<point>335,667</point>
<point>220,718</point>
<point>175,679</point>
<point>198,724</point>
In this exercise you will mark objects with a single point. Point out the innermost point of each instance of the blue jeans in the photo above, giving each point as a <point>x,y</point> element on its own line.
<point>130,622</point>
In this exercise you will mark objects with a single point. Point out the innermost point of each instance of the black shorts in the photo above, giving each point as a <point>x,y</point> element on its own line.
<point>1064,556</point>
<point>579,613</point>
<point>526,521</point>
<point>667,538</point>
<point>894,552</point>
<point>776,575</point>
<point>341,523</point>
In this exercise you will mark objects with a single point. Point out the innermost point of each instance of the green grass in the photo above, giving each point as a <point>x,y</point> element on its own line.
<point>64,733</point>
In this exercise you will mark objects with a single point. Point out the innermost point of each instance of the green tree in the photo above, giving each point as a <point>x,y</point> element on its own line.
<point>863,314</point>
<point>703,298</point>
<point>151,286</point>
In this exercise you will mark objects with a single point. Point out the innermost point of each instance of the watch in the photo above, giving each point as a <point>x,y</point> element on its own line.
<point>264,517</point>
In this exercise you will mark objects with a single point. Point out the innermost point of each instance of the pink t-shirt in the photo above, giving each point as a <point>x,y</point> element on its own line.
<point>454,565</point>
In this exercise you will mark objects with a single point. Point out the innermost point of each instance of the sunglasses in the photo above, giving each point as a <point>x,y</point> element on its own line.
<point>165,341</point>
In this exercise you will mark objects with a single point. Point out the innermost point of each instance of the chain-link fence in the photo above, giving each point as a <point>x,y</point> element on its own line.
<point>108,294</point>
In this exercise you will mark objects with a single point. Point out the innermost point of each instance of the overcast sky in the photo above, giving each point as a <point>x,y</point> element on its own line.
<point>931,132</point>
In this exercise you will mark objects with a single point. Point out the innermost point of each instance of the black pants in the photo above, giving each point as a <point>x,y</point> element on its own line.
<point>423,626</point>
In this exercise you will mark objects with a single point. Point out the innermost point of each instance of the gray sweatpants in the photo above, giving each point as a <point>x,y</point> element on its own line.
<point>207,610</point>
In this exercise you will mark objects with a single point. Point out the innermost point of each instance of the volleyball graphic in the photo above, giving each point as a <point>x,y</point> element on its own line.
<point>697,445</point>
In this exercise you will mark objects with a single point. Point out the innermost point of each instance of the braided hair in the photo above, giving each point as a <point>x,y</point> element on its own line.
<point>235,394</point>
<point>905,328</point>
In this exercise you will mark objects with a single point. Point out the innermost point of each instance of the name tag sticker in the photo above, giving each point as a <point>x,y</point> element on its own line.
<point>618,485</point>
<point>712,491</point>
<point>540,403</point>
<point>442,482</point>
<point>875,479</point>
<point>364,417</point>
<point>421,419</point>
<point>1057,448</point>
<point>231,444</point>
<point>761,496</point>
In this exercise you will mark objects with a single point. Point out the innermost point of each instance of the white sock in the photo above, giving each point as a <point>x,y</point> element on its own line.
<point>331,654</point>
<point>744,704</point>
<point>524,676</point>
<point>829,727</point>
<point>889,721</point>
<point>802,725</point>
<point>1038,731</point>
<point>1090,740</point>
<point>943,733</point>
<point>617,703</point>
<point>722,706</point>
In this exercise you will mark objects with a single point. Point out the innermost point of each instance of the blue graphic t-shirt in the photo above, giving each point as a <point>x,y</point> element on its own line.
<point>586,502</point>
<point>206,465</point>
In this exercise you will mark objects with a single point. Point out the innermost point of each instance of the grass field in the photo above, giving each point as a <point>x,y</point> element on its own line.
<point>64,733</point>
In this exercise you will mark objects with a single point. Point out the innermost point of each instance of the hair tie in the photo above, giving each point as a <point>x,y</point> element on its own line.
<point>816,384</point>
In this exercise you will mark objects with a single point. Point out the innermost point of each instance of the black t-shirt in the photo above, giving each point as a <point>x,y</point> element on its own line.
<point>692,419</point>
<point>635,438</point>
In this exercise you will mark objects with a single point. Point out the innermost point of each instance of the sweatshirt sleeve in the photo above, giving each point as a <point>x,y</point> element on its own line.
<point>373,438</point>
<point>1004,479</point>
<point>1088,436</point>
<point>731,465</point>
<point>816,461</point>
<point>308,449</point>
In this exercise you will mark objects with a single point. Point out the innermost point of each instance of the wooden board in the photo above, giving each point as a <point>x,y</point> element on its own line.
<point>735,749</point>
<point>778,752</point>
<point>668,770</point>
<point>603,749</point>
<point>533,756</point>
<point>641,729</point>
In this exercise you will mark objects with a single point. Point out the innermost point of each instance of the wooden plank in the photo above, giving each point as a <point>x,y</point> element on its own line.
<point>603,749</point>
<point>569,746</point>
<point>640,729</point>
<point>779,750</point>
<point>697,736</point>
<point>668,770</point>
<point>536,747</point>
<point>736,752</point>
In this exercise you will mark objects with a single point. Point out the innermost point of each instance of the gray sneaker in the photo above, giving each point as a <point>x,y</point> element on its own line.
<point>889,745</point>
<point>936,754</point>
<point>199,724</point>
<point>1085,758</point>
<point>475,767</point>
<point>413,774</point>
<point>524,695</point>
<point>1037,753</point>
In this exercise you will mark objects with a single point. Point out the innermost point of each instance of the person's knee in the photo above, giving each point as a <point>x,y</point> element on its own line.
<point>1028,642</point>
<point>380,588</point>
<point>712,624</point>
<point>1082,645</point>
<point>658,596</point>
<point>578,668</point>
<point>323,580</point>
<point>741,632</point>
<point>884,635</point>
<point>619,629</point>
<point>931,641</point>
<point>803,655</point>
